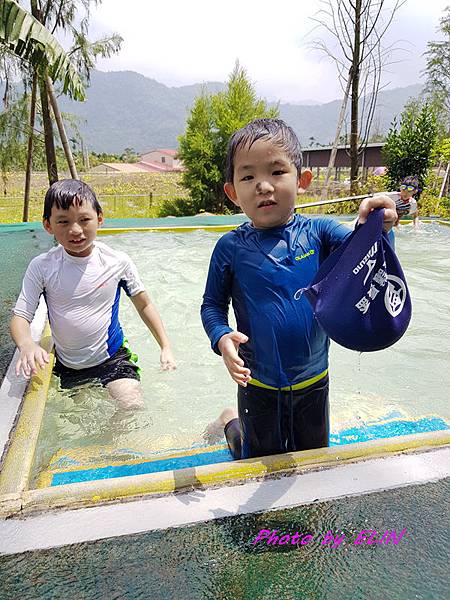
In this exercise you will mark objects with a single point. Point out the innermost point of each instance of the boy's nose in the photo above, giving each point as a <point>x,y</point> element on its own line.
<point>76,228</point>
<point>264,187</point>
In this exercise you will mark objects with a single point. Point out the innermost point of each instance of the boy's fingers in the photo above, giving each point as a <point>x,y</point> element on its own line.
<point>239,379</point>
<point>42,360</point>
<point>18,367</point>
<point>32,365</point>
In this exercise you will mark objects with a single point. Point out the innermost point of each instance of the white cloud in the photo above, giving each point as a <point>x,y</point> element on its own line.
<point>181,43</point>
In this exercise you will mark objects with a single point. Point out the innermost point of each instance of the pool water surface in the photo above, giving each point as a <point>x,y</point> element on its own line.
<point>411,378</point>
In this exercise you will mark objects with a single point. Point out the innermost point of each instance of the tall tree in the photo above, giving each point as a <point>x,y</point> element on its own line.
<point>209,126</point>
<point>24,37</point>
<point>32,40</point>
<point>437,73</point>
<point>64,16</point>
<point>410,147</point>
<point>358,28</point>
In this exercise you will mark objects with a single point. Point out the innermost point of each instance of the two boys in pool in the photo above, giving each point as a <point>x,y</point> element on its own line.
<point>281,368</point>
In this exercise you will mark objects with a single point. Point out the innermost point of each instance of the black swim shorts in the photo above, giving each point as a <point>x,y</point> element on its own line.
<point>277,421</point>
<point>120,366</point>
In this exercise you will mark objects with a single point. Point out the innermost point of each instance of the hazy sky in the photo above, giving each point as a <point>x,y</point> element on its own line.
<point>179,43</point>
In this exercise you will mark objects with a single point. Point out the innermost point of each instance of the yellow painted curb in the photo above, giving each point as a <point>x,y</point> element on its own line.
<point>45,478</point>
<point>15,474</point>
<point>10,504</point>
<point>157,484</point>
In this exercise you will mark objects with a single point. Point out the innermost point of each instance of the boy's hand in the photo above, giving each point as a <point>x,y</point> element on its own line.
<point>381,201</point>
<point>167,360</point>
<point>31,357</point>
<point>228,346</point>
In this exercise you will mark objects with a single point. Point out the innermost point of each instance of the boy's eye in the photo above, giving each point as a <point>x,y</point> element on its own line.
<point>247,178</point>
<point>279,172</point>
<point>62,222</point>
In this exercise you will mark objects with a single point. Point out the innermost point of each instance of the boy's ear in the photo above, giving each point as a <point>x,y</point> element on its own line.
<point>101,219</point>
<point>231,193</point>
<point>47,226</point>
<point>304,180</point>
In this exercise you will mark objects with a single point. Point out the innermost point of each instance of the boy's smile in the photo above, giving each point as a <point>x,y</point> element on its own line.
<point>76,228</point>
<point>266,183</point>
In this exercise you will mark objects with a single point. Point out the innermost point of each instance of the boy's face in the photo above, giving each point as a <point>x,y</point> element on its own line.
<point>407,191</point>
<point>266,184</point>
<point>76,228</point>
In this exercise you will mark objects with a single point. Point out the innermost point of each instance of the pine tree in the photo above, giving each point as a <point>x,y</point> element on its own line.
<point>212,121</point>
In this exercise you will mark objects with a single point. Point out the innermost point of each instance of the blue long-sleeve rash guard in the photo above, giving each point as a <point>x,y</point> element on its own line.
<point>262,271</point>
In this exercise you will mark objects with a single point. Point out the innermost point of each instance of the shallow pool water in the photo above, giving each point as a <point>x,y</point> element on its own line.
<point>218,559</point>
<point>17,248</point>
<point>412,377</point>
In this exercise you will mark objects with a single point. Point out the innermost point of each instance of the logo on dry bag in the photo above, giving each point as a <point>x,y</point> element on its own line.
<point>395,295</point>
<point>367,259</point>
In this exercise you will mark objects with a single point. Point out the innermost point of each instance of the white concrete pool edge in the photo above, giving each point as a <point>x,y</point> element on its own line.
<point>13,388</point>
<point>64,527</point>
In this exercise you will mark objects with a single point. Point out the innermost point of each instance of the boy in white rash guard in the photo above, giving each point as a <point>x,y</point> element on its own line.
<point>81,280</point>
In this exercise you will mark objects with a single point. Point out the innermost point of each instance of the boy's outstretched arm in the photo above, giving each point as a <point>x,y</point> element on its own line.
<point>381,201</point>
<point>148,313</point>
<point>32,355</point>
<point>228,346</point>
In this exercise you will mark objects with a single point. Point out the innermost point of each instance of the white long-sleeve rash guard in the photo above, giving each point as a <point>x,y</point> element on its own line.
<point>82,296</point>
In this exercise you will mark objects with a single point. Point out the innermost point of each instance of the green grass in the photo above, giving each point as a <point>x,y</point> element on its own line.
<point>141,195</point>
<point>121,195</point>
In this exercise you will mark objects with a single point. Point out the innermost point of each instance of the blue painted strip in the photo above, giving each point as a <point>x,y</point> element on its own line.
<point>396,428</point>
<point>352,435</point>
<point>154,466</point>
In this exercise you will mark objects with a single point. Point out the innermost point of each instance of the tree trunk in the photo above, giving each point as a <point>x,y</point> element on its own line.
<point>50,153</point>
<point>333,153</point>
<point>26,197</point>
<point>355,71</point>
<point>61,129</point>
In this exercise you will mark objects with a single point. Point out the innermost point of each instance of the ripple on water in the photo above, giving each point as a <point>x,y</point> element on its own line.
<point>412,376</point>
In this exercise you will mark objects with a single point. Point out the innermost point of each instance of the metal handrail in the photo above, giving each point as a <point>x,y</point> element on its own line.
<point>346,199</point>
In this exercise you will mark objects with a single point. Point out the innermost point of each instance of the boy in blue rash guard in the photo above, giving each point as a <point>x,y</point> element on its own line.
<point>279,354</point>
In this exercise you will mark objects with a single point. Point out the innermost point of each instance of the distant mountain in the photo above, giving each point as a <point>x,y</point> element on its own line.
<point>127,110</point>
<point>319,122</point>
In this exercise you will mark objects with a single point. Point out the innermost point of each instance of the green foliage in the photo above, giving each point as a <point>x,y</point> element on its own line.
<point>438,72</point>
<point>122,195</point>
<point>28,39</point>
<point>129,156</point>
<point>410,149</point>
<point>96,158</point>
<point>202,148</point>
<point>431,205</point>
<point>443,150</point>
<point>179,207</point>
<point>13,145</point>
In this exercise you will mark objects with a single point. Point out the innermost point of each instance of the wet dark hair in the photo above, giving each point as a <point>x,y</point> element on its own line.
<point>69,192</point>
<point>410,180</point>
<point>275,130</point>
